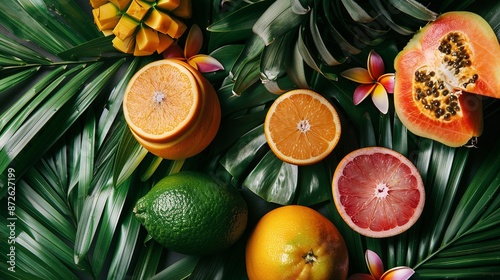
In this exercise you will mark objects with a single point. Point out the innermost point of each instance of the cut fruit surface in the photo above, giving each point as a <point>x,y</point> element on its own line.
<point>129,21</point>
<point>200,134</point>
<point>302,127</point>
<point>378,192</point>
<point>439,74</point>
<point>162,101</point>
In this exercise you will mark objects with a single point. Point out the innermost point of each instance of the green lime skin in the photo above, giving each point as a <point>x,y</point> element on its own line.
<point>191,213</point>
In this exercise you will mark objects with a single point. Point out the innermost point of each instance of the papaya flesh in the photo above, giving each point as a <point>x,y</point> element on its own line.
<point>441,75</point>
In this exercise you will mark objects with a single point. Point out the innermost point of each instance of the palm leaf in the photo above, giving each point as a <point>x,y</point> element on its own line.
<point>79,172</point>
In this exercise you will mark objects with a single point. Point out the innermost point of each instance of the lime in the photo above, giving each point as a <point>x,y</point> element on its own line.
<point>191,213</point>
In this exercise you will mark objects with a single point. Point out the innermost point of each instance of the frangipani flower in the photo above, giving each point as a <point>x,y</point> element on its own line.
<point>376,268</point>
<point>373,81</point>
<point>194,41</point>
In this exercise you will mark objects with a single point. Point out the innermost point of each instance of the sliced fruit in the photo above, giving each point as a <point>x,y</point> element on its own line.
<point>168,5</point>
<point>125,46</point>
<point>124,18</point>
<point>159,20</point>
<point>147,39</point>
<point>165,41</point>
<point>125,27</point>
<point>106,16</point>
<point>296,242</point>
<point>438,73</point>
<point>97,3</point>
<point>121,4</point>
<point>378,192</point>
<point>200,134</point>
<point>302,127</point>
<point>162,101</point>
<point>176,28</point>
<point>184,10</point>
<point>138,9</point>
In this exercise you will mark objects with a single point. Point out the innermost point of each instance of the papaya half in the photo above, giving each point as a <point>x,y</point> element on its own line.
<point>443,73</point>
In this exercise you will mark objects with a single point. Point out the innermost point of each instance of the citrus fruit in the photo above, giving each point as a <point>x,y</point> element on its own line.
<point>170,117</point>
<point>302,127</point>
<point>191,213</point>
<point>200,134</point>
<point>296,242</point>
<point>378,192</point>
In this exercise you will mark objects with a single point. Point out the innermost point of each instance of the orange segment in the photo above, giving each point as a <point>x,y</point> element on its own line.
<point>378,192</point>
<point>302,127</point>
<point>162,101</point>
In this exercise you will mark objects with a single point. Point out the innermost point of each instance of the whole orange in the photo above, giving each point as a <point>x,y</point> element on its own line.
<point>296,242</point>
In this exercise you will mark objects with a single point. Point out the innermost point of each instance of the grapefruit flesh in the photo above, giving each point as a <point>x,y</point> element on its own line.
<point>378,192</point>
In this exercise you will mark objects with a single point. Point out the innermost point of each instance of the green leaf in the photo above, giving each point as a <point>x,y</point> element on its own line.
<point>482,187</point>
<point>16,79</point>
<point>21,23</point>
<point>126,244</point>
<point>109,224</point>
<point>42,116</point>
<point>314,184</point>
<point>22,54</point>
<point>128,156</point>
<point>179,270</point>
<point>414,9</point>
<point>37,261</point>
<point>388,19</point>
<point>98,48</point>
<point>31,96</point>
<point>64,118</point>
<point>86,170</point>
<point>320,43</point>
<point>113,106</point>
<point>252,50</point>
<point>356,12</point>
<point>40,12</point>
<point>90,218</point>
<point>248,75</point>
<point>242,154</point>
<point>240,19</point>
<point>273,180</point>
<point>278,19</point>
<point>76,17</point>
<point>40,209</point>
<point>274,58</point>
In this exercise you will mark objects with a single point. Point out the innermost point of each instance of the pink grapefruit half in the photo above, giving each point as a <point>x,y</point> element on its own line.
<point>378,192</point>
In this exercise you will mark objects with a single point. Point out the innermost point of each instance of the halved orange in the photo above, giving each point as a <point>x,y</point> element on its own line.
<point>161,101</point>
<point>302,127</point>
<point>200,134</point>
<point>378,192</point>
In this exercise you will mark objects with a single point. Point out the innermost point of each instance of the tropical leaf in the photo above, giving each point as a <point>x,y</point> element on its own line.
<point>77,171</point>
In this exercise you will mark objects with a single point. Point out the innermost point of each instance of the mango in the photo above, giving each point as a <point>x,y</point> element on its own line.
<point>125,27</point>
<point>168,5</point>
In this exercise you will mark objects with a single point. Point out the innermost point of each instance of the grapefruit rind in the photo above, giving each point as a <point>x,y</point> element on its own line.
<point>363,196</point>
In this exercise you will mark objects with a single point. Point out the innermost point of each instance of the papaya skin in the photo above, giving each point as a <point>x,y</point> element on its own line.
<point>421,52</point>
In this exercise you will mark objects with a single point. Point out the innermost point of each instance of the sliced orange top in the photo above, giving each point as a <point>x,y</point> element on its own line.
<point>302,127</point>
<point>162,100</point>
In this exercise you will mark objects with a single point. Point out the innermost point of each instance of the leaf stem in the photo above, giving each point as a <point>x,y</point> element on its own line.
<point>21,66</point>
